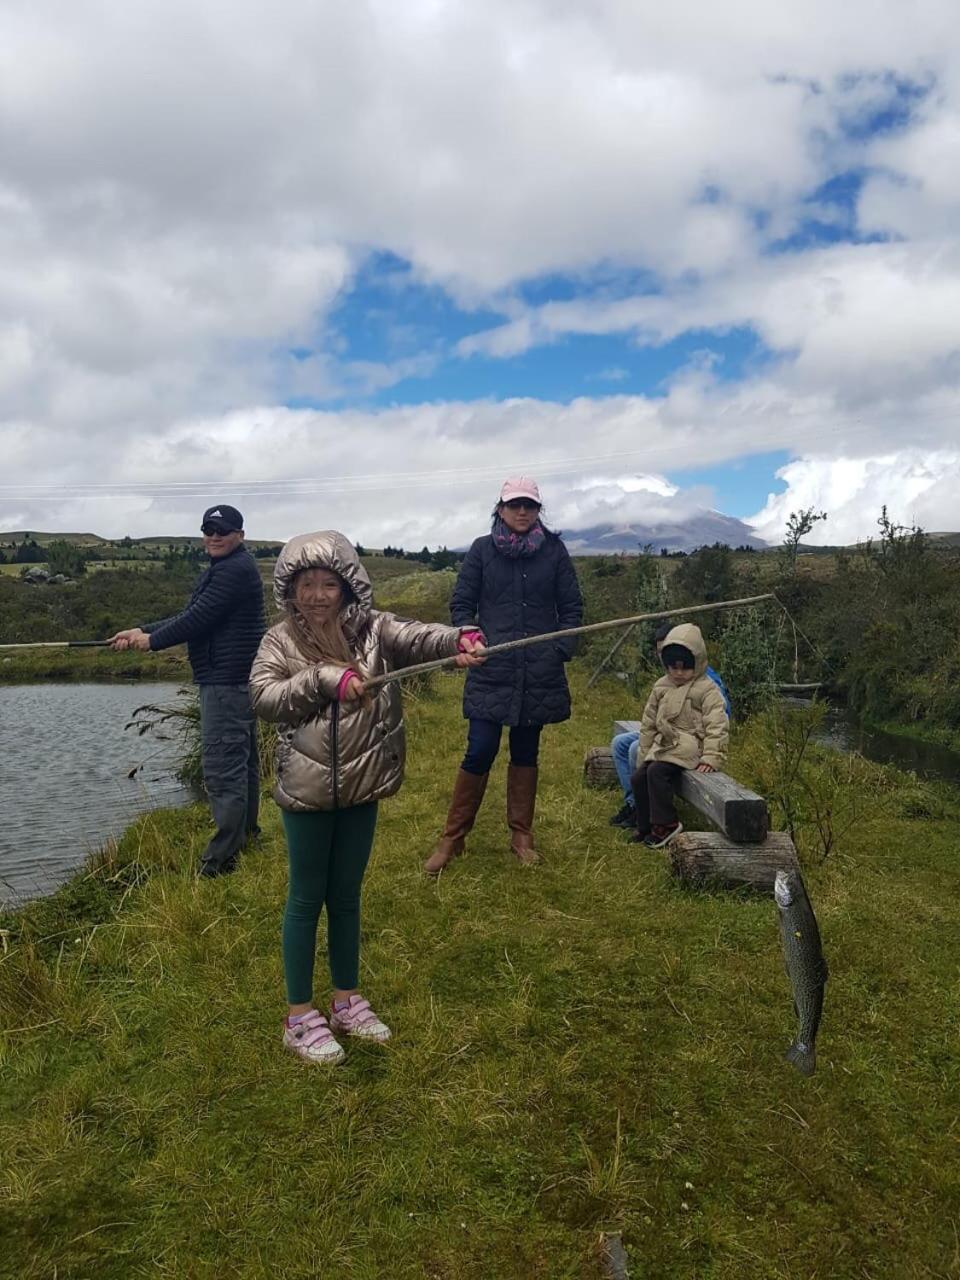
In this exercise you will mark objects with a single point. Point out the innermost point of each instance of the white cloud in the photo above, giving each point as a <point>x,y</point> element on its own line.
<point>430,473</point>
<point>186,191</point>
<point>917,488</point>
<point>863,320</point>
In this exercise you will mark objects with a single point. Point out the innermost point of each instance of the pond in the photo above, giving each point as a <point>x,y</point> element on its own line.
<point>64,785</point>
<point>843,731</point>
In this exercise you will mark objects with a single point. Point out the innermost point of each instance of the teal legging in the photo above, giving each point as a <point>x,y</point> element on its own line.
<point>329,853</point>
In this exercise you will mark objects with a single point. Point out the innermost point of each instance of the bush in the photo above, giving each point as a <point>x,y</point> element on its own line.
<point>816,794</point>
<point>66,558</point>
<point>745,654</point>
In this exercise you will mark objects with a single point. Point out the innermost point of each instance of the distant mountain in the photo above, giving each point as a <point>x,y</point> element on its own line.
<point>701,529</point>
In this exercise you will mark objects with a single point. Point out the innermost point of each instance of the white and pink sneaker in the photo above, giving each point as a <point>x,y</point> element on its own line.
<point>310,1038</point>
<point>356,1018</point>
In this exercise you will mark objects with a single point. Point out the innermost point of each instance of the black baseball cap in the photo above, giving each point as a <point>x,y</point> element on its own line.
<point>227,518</point>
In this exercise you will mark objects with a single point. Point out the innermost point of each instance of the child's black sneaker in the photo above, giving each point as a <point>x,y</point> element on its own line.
<point>660,836</point>
<point>625,816</point>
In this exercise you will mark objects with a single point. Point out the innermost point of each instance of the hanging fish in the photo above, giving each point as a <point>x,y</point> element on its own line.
<point>805,965</point>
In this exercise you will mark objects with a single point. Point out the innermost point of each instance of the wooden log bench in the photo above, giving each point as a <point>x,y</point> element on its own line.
<point>742,853</point>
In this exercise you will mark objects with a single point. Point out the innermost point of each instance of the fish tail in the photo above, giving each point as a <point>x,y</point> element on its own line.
<point>803,1057</point>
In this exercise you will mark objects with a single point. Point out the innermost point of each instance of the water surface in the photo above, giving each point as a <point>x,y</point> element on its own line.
<point>64,789</point>
<point>844,732</point>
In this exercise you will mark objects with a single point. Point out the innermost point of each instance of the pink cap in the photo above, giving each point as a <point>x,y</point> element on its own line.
<point>520,487</point>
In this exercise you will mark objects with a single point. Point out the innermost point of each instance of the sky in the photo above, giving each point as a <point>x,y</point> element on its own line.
<point>349,266</point>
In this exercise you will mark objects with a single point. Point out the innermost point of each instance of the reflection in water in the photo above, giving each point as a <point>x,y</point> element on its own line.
<point>64,790</point>
<point>843,731</point>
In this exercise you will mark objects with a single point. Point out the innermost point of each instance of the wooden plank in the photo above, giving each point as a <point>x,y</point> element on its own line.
<point>703,857</point>
<point>740,814</point>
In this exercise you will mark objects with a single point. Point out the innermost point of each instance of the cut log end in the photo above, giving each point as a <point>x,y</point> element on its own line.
<point>598,768</point>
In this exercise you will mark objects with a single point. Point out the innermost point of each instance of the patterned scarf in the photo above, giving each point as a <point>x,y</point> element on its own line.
<point>517,546</point>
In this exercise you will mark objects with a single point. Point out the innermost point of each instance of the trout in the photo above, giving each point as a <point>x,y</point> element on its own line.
<point>805,965</point>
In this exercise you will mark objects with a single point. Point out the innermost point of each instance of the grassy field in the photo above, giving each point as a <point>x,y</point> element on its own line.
<point>581,1047</point>
<point>29,665</point>
<point>401,585</point>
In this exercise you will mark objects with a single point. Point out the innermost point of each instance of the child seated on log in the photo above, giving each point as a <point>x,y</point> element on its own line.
<point>684,726</point>
<point>624,745</point>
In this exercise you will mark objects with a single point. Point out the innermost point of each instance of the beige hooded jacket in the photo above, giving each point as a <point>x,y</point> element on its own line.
<point>333,754</point>
<point>685,724</point>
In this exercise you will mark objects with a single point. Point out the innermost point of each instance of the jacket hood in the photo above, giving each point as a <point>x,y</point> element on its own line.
<point>689,636</point>
<point>327,549</point>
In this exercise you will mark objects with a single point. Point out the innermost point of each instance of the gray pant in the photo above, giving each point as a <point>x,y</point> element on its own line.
<point>231,772</point>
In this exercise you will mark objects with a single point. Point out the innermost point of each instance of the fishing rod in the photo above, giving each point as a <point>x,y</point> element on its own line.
<point>437,664</point>
<point>376,681</point>
<point>58,644</point>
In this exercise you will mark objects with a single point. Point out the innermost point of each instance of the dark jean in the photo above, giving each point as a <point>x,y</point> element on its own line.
<point>654,787</point>
<point>483,743</point>
<point>231,773</point>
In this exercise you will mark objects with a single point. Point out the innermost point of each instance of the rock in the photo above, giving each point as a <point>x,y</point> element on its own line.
<point>35,576</point>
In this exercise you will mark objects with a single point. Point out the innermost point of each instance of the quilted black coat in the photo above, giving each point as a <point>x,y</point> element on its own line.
<point>508,599</point>
<point>223,622</point>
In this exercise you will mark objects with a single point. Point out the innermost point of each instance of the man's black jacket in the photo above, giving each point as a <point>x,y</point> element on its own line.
<point>223,622</point>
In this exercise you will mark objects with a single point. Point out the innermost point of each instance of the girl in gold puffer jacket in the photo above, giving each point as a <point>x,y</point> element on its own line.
<point>340,751</point>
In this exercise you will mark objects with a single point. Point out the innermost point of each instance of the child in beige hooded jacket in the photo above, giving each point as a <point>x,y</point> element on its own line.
<point>684,726</point>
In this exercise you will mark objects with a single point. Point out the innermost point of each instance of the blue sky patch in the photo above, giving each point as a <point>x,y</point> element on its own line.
<point>741,486</point>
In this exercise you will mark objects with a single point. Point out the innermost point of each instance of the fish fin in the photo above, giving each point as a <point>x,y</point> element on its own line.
<point>803,1057</point>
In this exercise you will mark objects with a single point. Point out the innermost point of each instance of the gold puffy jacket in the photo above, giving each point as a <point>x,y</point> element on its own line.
<point>333,754</point>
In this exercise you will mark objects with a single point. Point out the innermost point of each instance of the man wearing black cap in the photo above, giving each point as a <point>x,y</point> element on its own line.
<point>222,626</point>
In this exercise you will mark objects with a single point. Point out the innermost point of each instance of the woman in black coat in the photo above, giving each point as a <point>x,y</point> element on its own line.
<point>516,581</point>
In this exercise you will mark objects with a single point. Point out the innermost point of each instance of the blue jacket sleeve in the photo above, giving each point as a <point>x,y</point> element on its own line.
<point>718,681</point>
<point>465,601</point>
<point>213,604</point>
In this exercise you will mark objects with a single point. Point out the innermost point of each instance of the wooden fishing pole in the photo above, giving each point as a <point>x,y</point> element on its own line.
<point>58,644</point>
<point>376,681</point>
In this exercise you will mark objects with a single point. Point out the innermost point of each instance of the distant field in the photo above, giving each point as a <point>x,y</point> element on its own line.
<point>93,566</point>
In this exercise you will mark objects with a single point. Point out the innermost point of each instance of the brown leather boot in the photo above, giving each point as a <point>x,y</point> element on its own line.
<point>467,794</point>
<point>521,800</point>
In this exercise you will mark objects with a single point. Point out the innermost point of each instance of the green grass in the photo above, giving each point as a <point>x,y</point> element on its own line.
<point>919,731</point>
<point>102,665</point>
<point>579,1047</point>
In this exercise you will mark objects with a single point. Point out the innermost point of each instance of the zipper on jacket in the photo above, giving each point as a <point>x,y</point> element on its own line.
<point>334,734</point>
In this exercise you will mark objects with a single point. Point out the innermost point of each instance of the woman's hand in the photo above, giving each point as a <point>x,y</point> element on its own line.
<point>470,643</point>
<point>703,767</point>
